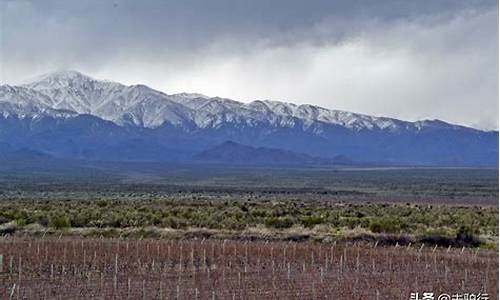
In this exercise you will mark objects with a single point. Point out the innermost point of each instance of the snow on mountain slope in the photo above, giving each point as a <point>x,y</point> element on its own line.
<point>142,106</point>
<point>23,103</point>
<point>312,113</point>
<point>135,104</point>
<point>74,91</point>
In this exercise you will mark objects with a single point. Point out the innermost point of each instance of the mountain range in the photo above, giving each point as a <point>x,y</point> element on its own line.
<point>69,115</point>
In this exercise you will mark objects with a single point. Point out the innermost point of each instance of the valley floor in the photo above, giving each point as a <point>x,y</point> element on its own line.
<point>181,232</point>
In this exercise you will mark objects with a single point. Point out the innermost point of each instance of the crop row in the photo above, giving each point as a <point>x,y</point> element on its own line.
<point>75,268</point>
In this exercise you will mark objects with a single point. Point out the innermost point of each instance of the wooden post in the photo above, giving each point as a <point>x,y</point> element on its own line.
<point>19,270</point>
<point>341,264</point>
<point>116,272</point>
<point>144,289</point>
<point>12,291</point>
<point>128,288</point>
<point>357,263</point>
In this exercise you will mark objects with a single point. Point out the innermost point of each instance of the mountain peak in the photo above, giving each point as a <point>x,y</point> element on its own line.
<point>59,79</point>
<point>66,74</point>
<point>61,75</point>
<point>191,95</point>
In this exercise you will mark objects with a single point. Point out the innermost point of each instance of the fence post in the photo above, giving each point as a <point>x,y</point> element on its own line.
<point>128,288</point>
<point>144,289</point>
<point>12,291</point>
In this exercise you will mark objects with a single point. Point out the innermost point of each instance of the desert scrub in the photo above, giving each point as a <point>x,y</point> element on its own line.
<point>237,215</point>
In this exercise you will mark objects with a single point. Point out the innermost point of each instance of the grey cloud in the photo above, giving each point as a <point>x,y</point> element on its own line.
<point>407,59</point>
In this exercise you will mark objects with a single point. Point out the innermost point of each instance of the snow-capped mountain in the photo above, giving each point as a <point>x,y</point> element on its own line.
<point>192,122</point>
<point>143,106</point>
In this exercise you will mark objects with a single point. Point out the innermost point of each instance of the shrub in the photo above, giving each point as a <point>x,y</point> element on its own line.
<point>279,222</point>
<point>59,221</point>
<point>435,239</point>
<point>466,236</point>
<point>21,218</point>
<point>81,219</point>
<point>174,222</point>
<point>233,223</point>
<point>259,213</point>
<point>3,219</point>
<point>21,221</point>
<point>385,225</point>
<point>311,221</point>
<point>42,220</point>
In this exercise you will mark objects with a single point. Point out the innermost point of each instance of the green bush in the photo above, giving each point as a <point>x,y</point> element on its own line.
<point>21,221</point>
<point>59,221</point>
<point>385,225</point>
<point>21,218</point>
<point>42,219</point>
<point>311,221</point>
<point>467,235</point>
<point>80,219</point>
<point>174,222</point>
<point>279,222</point>
<point>233,223</point>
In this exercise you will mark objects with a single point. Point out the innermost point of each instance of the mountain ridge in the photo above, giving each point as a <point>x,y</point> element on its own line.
<point>68,114</point>
<point>82,94</point>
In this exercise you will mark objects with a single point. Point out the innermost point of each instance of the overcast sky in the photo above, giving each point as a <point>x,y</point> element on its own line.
<point>405,59</point>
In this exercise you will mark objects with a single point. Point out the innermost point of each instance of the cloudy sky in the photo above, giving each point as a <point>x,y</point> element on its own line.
<point>406,59</point>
